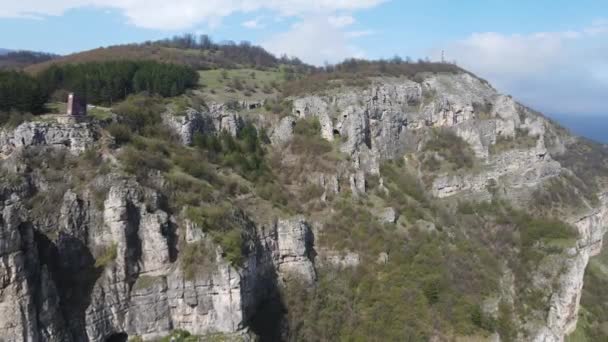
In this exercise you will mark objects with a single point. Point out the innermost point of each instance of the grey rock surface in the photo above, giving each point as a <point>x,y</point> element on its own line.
<point>75,137</point>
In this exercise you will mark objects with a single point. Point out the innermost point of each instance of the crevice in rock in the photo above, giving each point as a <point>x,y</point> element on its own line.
<point>269,320</point>
<point>172,240</point>
<point>71,268</point>
<point>117,337</point>
<point>133,248</point>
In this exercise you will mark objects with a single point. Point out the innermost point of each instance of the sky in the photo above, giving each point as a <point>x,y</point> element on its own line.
<point>549,54</point>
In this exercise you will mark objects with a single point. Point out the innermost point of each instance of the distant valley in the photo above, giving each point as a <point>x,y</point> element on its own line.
<point>594,127</point>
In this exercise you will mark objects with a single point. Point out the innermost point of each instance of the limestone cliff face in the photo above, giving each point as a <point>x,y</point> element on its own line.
<point>76,137</point>
<point>387,120</point>
<point>88,271</point>
<point>565,302</point>
<point>380,122</point>
<point>115,269</point>
<point>215,119</point>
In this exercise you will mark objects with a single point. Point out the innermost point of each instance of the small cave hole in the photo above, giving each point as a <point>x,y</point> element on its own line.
<point>118,337</point>
<point>336,132</point>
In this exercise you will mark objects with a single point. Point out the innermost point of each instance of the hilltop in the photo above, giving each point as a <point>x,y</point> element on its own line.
<point>21,59</point>
<point>199,53</point>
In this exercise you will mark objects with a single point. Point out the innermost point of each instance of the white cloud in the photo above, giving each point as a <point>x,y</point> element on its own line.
<point>362,33</point>
<point>253,24</point>
<point>557,72</point>
<point>314,40</point>
<point>181,14</point>
<point>341,21</point>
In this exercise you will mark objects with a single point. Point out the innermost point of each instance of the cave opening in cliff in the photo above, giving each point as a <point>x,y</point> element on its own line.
<point>118,337</point>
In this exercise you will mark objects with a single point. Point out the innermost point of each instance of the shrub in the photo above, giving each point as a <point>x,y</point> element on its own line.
<point>522,140</point>
<point>107,256</point>
<point>180,336</point>
<point>401,182</point>
<point>184,189</point>
<point>140,162</point>
<point>307,139</point>
<point>13,118</point>
<point>451,148</point>
<point>196,166</point>
<point>311,192</point>
<point>232,245</point>
<point>120,132</point>
<point>220,222</point>
<point>272,192</point>
<point>144,282</point>
<point>245,153</point>
<point>194,258</point>
<point>544,229</point>
<point>308,127</point>
<point>139,112</point>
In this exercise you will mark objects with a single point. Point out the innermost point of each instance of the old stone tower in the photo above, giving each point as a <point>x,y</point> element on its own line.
<point>77,106</point>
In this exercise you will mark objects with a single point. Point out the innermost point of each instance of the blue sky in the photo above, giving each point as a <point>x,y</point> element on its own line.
<point>550,54</point>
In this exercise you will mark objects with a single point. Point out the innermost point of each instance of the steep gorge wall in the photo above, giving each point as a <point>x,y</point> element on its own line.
<point>378,123</point>
<point>117,270</point>
<point>60,291</point>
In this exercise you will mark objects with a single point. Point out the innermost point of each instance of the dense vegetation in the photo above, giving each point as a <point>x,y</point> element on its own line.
<point>21,59</point>
<point>445,147</point>
<point>194,181</point>
<point>100,83</point>
<point>20,92</point>
<point>107,82</point>
<point>228,53</point>
<point>435,281</point>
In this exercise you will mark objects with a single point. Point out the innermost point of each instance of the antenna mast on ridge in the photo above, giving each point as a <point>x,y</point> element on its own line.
<point>443,56</point>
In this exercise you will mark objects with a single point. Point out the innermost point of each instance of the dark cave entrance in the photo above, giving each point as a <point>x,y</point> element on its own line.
<point>268,323</point>
<point>118,337</point>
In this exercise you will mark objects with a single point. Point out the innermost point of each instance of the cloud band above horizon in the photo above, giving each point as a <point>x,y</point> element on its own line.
<point>182,14</point>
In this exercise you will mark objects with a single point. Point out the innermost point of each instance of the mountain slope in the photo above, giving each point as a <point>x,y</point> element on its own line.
<point>22,59</point>
<point>421,205</point>
<point>206,55</point>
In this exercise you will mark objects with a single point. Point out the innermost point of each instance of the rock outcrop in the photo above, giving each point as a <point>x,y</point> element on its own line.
<point>564,307</point>
<point>76,137</point>
<point>214,120</point>
<point>118,271</point>
<point>185,125</point>
<point>383,122</point>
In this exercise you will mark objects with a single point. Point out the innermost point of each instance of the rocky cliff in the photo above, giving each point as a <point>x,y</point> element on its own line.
<point>99,254</point>
<point>114,271</point>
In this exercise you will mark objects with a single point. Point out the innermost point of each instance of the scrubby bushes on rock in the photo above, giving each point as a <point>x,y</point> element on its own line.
<point>451,148</point>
